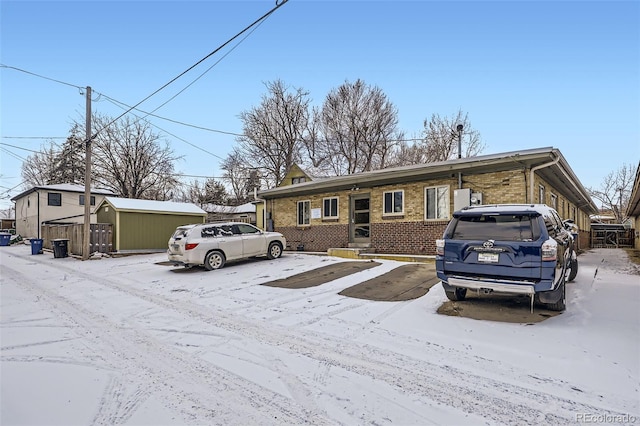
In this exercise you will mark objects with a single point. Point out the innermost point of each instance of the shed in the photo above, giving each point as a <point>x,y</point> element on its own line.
<point>145,225</point>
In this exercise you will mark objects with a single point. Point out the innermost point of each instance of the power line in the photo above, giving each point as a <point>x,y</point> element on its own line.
<point>19,147</point>
<point>277,6</point>
<point>33,137</point>
<point>41,76</point>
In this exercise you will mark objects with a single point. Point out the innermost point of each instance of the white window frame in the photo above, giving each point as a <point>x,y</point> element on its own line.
<point>541,195</point>
<point>393,207</point>
<point>442,212</point>
<point>554,201</point>
<point>307,216</point>
<point>330,199</point>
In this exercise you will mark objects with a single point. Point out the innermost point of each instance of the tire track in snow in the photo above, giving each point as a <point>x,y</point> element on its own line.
<point>206,394</point>
<point>495,400</point>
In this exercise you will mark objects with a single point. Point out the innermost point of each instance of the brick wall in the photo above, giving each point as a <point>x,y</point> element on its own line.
<point>409,232</point>
<point>406,237</point>
<point>316,238</point>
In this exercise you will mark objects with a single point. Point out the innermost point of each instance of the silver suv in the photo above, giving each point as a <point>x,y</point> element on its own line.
<point>512,248</point>
<point>213,244</point>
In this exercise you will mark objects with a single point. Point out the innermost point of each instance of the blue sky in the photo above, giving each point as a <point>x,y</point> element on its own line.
<point>530,74</point>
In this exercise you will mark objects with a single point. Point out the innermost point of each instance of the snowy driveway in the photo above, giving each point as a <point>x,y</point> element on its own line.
<point>126,341</point>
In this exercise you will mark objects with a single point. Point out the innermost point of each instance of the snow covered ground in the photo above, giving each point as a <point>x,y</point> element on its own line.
<point>127,341</point>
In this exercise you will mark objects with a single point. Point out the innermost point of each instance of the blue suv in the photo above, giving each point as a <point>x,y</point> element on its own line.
<point>521,249</point>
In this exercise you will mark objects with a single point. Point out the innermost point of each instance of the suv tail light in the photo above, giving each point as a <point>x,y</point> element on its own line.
<point>190,246</point>
<point>440,247</point>
<point>549,250</point>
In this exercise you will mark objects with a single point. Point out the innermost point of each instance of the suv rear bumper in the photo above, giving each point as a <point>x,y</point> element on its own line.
<point>505,286</point>
<point>451,281</point>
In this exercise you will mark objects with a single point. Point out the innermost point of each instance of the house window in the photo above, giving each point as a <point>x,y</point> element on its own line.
<point>304,212</point>
<point>93,200</point>
<point>554,201</point>
<point>54,198</point>
<point>436,202</point>
<point>330,208</point>
<point>541,198</point>
<point>393,202</point>
<point>298,180</point>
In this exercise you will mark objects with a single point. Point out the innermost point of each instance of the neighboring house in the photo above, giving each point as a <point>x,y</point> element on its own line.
<point>61,203</point>
<point>7,224</point>
<point>633,208</point>
<point>145,225</point>
<point>242,213</point>
<point>405,209</point>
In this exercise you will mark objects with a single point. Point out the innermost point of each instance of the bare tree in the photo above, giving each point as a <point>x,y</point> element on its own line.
<point>8,213</point>
<point>128,159</point>
<point>615,190</point>
<point>39,169</point>
<point>236,173</point>
<point>273,132</point>
<point>440,140</point>
<point>354,131</point>
<point>210,192</point>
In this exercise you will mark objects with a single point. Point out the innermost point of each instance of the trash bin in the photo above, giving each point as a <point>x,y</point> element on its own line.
<point>60,247</point>
<point>36,246</point>
<point>4,239</point>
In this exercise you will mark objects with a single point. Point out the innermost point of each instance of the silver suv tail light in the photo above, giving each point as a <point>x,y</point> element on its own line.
<point>440,247</point>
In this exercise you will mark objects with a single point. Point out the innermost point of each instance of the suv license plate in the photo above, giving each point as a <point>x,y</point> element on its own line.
<point>488,257</point>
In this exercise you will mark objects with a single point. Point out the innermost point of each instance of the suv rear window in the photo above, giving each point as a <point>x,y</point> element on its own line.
<point>515,227</point>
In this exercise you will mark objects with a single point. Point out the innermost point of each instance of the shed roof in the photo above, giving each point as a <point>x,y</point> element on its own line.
<point>553,168</point>
<point>132,204</point>
<point>67,187</point>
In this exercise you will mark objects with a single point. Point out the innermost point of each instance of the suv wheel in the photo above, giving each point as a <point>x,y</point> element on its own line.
<point>275,250</point>
<point>214,260</point>
<point>458,294</point>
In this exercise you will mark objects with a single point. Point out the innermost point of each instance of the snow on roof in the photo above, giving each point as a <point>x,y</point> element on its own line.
<point>153,205</point>
<point>72,187</point>
<point>67,187</point>
<point>243,208</point>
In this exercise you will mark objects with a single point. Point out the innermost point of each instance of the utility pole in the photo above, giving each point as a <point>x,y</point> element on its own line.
<point>86,241</point>
<point>459,128</point>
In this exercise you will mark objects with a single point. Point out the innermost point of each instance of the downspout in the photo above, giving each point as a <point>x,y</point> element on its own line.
<point>38,197</point>
<point>264,208</point>
<point>532,175</point>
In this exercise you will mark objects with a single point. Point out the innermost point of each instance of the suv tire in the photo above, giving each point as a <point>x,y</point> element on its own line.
<point>574,270</point>
<point>459,294</point>
<point>275,250</point>
<point>214,260</point>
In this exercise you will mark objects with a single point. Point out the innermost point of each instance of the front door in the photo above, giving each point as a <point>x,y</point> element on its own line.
<point>360,228</point>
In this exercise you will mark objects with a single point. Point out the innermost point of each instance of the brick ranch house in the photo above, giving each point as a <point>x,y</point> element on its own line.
<point>403,210</point>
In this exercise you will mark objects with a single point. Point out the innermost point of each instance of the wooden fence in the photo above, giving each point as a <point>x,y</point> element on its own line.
<point>612,238</point>
<point>101,238</point>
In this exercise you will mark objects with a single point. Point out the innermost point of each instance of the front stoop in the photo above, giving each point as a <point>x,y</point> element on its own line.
<point>349,253</point>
